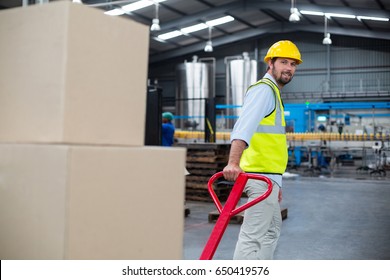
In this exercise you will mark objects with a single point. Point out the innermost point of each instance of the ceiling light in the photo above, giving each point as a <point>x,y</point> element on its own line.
<point>115,12</point>
<point>326,40</point>
<point>329,15</point>
<point>194,28</point>
<point>155,25</point>
<point>155,22</point>
<point>339,15</point>
<point>294,17</point>
<point>137,5</point>
<point>219,21</point>
<point>131,7</point>
<point>313,13</point>
<point>360,18</point>
<point>170,35</point>
<point>77,1</point>
<point>209,44</point>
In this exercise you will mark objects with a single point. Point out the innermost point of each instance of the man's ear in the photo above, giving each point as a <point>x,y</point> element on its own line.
<point>271,62</point>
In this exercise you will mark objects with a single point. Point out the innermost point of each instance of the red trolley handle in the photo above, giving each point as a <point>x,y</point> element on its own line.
<point>241,180</point>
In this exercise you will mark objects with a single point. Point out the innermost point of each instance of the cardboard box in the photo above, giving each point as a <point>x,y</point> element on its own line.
<point>71,74</point>
<point>91,202</point>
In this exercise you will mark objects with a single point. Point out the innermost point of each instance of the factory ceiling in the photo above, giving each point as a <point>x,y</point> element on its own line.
<point>252,20</point>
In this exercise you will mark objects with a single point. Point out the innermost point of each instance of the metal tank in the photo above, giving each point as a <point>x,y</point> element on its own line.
<point>195,83</point>
<point>241,72</point>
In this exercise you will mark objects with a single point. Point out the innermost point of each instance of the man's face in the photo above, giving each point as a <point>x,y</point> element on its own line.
<point>283,70</point>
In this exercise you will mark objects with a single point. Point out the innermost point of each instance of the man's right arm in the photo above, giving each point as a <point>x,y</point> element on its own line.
<point>259,101</point>
<point>232,170</point>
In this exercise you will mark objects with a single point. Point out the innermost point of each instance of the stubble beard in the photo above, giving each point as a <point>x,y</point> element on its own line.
<point>283,80</point>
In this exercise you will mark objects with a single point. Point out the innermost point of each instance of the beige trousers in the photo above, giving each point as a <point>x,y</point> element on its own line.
<point>262,223</point>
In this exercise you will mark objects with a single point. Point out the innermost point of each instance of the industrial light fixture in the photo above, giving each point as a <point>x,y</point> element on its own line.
<point>115,12</point>
<point>220,20</point>
<point>294,17</point>
<point>210,23</point>
<point>348,16</point>
<point>329,15</point>
<point>139,5</point>
<point>326,40</point>
<point>340,15</point>
<point>155,25</point>
<point>132,7</point>
<point>209,44</point>
<point>77,1</point>
<point>169,35</point>
<point>155,22</point>
<point>312,13</point>
<point>194,28</point>
<point>360,18</point>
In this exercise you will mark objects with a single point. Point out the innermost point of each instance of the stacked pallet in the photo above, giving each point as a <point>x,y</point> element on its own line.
<point>203,161</point>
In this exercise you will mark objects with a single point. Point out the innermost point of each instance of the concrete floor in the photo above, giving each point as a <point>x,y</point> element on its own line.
<point>328,219</point>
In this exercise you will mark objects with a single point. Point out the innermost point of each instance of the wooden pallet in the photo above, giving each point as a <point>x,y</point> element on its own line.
<point>203,161</point>
<point>198,191</point>
<point>239,218</point>
<point>202,195</point>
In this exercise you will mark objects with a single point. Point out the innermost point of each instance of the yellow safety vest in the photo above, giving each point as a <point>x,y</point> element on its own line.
<point>267,151</point>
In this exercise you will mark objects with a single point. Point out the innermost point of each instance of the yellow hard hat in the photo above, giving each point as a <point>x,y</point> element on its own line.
<point>285,49</point>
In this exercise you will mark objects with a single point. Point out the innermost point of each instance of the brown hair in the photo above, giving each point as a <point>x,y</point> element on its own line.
<point>272,62</point>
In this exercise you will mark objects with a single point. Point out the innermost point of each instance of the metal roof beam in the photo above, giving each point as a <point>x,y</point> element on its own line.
<point>270,28</point>
<point>275,6</point>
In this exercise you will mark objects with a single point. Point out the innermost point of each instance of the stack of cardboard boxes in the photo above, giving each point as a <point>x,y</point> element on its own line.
<point>76,181</point>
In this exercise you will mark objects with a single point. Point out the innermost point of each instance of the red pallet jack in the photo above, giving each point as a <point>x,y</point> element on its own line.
<point>229,210</point>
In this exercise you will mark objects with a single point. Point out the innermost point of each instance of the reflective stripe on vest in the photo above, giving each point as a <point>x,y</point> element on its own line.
<point>267,151</point>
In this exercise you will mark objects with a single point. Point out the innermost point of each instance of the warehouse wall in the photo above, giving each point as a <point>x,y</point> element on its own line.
<point>349,65</point>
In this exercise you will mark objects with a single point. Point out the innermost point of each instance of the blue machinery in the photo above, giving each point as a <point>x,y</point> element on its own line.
<point>300,118</point>
<point>303,116</point>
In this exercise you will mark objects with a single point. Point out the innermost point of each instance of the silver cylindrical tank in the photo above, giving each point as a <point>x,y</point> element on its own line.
<point>195,81</point>
<point>241,72</point>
